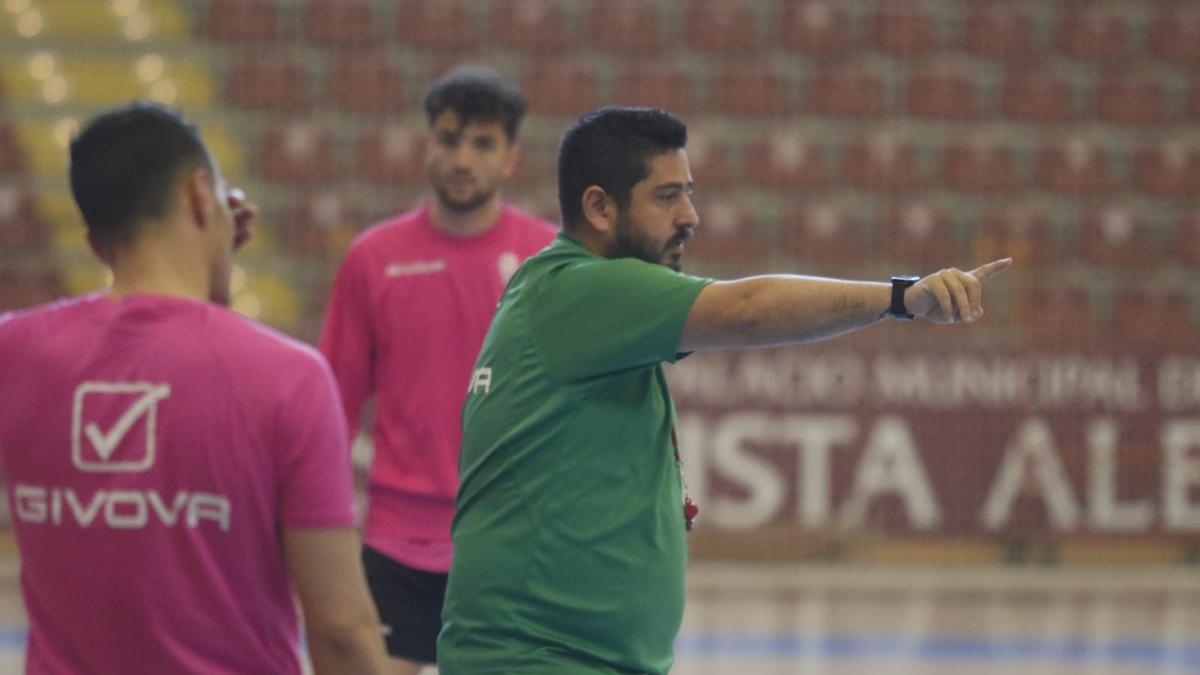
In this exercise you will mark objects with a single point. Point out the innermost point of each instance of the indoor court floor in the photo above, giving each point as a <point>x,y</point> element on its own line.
<point>776,619</point>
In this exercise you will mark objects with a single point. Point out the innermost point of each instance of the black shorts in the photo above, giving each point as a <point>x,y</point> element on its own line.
<point>410,605</point>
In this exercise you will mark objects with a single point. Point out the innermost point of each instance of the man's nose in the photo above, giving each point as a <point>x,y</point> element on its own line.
<point>690,216</point>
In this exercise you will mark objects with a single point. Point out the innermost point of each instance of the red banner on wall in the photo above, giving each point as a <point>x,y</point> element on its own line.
<point>859,439</point>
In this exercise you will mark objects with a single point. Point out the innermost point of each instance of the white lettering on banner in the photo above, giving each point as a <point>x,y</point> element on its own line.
<point>692,434</point>
<point>481,379</point>
<point>761,481</point>
<point>791,378</point>
<point>1105,510</point>
<point>780,377</point>
<point>1031,454</point>
<point>1179,383</point>
<point>1047,382</point>
<point>843,379</point>
<point>734,469</point>
<point>891,464</point>
<point>121,509</point>
<point>816,435</point>
<point>952,382</point>
<point>1181,474</point>
<point>1077,381</point>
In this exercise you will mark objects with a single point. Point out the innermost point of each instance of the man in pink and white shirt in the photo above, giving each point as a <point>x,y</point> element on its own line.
<point>409,310</point>
<point>175,471</point>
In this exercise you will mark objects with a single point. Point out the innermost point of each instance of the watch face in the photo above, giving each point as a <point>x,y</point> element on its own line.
<point>906,278</point>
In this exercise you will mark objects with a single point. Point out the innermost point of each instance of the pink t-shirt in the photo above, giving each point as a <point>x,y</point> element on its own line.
<point>153,449</point>
<point>407,316</point>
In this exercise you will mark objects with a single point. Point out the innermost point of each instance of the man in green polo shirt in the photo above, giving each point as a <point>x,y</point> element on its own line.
<point>570,518</point>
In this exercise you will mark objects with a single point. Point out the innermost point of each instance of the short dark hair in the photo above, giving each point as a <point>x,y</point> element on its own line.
<point>611,147</point>
<point>123,164</point>
<point>477,94</point>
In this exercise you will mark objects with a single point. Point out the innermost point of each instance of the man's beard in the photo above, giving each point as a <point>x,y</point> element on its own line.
<point>474,201</point>
<point>633,243</point>
<point>471,202</point>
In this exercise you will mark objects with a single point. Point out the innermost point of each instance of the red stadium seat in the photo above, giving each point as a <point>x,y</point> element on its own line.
<point>1113,236</point>
<point>787,161</point>
<point>846,91</point>
<point>726,233</point>
<point>624,26</point>
<point>1175,36</point>
<point>19,224</point>
<point>823,233</point>
<point>656,87</point>
<point>242,21</point>
<point>12,159</point>
<point>1186,242</point>
<point>530,25</point>
<point>297,152</point>
<point>434,24</point>
<point>321,223</point>
<point>560,88</point>
<point>1153,319</point>
<point>999,31</point>
<point>393,155</point>
<point>916,232</point>
<point>711,25</point>
<point>536,166</point>
<point>341,23</point>
<point>1169,169</point>
<point>1131,101</point>
<point>1092,33</point>
<point>943,95</point>
<point>979,164</point>
<point>882,163</point>
<point>709,160</point>
<point>271,82</point>
<point>903,29</point>
<point>368,84</point>
<point>1013,231</point>
<point>1037,96</point>
<point>817,27</point>
<point>1073,166</point>
<point>1057,315</point>
<point>751,90</point>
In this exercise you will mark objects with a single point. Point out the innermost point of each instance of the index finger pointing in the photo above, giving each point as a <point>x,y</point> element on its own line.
<point>983,272</point>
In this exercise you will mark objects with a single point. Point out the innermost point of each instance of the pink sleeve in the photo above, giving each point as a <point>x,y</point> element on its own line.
<point>346,339</point>
<point>318,486</point>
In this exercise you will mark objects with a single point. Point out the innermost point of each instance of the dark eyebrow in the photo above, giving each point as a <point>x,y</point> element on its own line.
<point>688,186</point>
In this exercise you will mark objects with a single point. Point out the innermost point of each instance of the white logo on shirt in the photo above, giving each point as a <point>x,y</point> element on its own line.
<point>481,379</point>
<point>414,268</point>
<point>118,509</point>
<point>507,265</point>
<point>93,447</point>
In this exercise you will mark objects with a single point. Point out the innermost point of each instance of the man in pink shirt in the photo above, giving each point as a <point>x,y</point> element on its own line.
<point>408,313</point>
<point>175,470</point>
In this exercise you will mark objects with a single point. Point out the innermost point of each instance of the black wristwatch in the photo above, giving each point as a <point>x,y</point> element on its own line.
<point>900,284</point>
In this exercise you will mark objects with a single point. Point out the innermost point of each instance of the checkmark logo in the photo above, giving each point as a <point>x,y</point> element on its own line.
<point>93,447</point>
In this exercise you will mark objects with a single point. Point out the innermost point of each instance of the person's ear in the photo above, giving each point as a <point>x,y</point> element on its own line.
<point>200,196</point>
<point>512,158</point>
<point>599,210</point>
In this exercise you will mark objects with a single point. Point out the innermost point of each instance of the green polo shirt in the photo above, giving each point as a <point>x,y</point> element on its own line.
<point>569,549</point>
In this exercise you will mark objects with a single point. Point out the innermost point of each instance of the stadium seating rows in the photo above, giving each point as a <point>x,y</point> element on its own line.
<point>821,129</point>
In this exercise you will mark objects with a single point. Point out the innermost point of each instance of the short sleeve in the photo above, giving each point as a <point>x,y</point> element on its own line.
<point>601,316</point>
<point>317,482</point>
